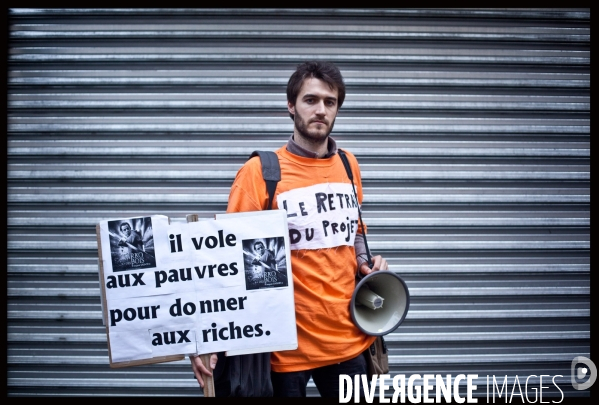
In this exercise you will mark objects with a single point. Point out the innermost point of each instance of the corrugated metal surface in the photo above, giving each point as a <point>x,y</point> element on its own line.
<point>472,127</point>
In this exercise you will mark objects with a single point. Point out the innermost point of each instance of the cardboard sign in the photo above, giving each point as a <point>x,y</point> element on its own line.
<point>174,288</point>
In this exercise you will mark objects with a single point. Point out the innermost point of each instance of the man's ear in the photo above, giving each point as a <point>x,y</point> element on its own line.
<point>290,107</point>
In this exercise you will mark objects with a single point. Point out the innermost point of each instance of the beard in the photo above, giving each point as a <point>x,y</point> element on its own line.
<point>314,135</point>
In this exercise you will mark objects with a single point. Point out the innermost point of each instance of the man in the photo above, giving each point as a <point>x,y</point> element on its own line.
<point>329,344</point>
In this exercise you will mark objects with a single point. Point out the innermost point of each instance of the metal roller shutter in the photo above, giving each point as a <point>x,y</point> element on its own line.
<point>472,127</point>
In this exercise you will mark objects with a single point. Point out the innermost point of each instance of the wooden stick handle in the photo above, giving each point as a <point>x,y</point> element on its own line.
<point>208,379</point>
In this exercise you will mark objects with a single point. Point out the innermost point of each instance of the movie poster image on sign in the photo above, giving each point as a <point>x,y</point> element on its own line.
<point>132,244</point>
<point>265,263</point>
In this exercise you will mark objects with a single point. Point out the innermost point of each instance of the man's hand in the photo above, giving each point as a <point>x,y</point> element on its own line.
<point>379,264</point>
<point>199,368</point>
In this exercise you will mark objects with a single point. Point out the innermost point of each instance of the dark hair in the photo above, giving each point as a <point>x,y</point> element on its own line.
<point>325,71</point>
<point>259,243</point>
<point>124,223</point>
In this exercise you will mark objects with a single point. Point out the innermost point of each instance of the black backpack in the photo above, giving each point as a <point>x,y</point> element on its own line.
<point>248,375</point>
<point>377,358</point>
<point>271,171</point>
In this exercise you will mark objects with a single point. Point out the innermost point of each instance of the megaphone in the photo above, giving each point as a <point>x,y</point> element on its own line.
<point>379,303</point>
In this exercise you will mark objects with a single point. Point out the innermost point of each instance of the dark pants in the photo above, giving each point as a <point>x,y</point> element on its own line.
<point>326,378</point>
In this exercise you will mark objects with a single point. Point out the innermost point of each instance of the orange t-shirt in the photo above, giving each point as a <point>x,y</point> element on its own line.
<point>322,217</point>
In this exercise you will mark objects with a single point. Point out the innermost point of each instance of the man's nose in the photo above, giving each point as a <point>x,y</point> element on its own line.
<point>320,108</point>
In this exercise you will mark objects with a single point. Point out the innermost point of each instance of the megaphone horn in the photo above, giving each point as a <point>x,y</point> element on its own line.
<point>379,303</point>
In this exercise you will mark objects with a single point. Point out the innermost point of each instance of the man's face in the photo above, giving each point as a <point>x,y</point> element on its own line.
<point>126,229</point>
<point>259,248</point>
<point>315,110</point>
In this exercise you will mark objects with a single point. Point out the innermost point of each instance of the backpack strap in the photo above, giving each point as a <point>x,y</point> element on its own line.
<point>271,171</point>
<point>343,157</point>
<point>345,161</point>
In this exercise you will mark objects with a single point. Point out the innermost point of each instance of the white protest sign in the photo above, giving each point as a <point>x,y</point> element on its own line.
<point>197,287</point>
<point>321,216</point>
